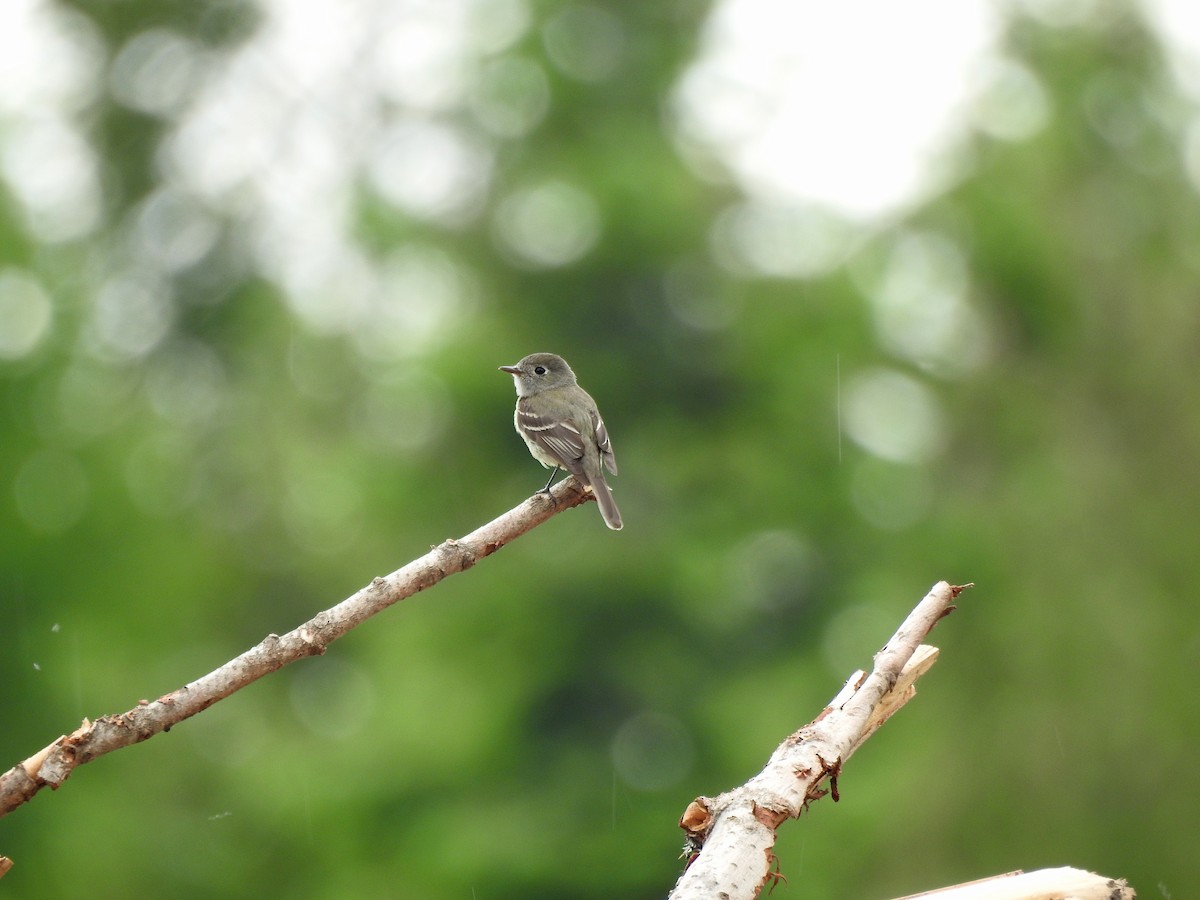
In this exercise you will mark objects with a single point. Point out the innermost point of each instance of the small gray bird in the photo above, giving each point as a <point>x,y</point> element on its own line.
<point>562,427</point>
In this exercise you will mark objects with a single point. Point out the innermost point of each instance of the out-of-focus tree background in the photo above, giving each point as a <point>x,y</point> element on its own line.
<point>869,297</point>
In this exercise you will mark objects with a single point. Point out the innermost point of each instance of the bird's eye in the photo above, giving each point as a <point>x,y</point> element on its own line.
<point>539,370</point>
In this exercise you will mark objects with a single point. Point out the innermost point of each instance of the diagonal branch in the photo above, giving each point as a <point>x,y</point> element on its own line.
<point>1044,884</point>
<point>52,765</point>
<point>730,837</point>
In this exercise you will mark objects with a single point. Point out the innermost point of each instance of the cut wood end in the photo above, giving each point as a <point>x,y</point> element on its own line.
<point>905,687</point>
<point>33,765</point>
<point>771,818</point>
<point>919,663</point>
<point>697,818</point>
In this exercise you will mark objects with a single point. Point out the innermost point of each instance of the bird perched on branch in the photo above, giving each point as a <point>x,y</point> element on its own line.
<point>562,427</point>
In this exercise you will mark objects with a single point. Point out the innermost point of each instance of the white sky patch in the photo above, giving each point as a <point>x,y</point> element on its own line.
<point>1178,25</point>
<point>851,106</point>
<point>834,118</point>
<point>49,57</point>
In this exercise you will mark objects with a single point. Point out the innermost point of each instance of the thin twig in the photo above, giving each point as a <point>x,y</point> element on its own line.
<point>53,764</point>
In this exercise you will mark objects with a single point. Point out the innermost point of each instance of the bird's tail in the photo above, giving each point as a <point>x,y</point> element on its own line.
<point>608,506</point>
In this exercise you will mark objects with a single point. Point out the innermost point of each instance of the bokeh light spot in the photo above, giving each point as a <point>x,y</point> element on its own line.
<point>511,97</point>
<point>420,294</point>
<point>25,313</point>
<point>173,230</point>
<point>548,225</point>
<point>1010,102</point>
<point>800,241</point>
<point>585,42</point>
<point>430,170</point>
<point>52,171</point>
<point>921,305</point>
<point>652,751</point>
<point>154,71</point>
<point>130,316</point>
<point>186,383</point>
<point>771,570</point>
<point>894,417</point>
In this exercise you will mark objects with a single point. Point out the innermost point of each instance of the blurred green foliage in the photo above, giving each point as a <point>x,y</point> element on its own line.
<point>199,449</point>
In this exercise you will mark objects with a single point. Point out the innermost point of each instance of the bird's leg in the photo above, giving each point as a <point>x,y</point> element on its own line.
<point>546,489</point>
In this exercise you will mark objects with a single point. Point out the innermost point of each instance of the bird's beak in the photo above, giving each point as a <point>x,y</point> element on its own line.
<point>511,370</point>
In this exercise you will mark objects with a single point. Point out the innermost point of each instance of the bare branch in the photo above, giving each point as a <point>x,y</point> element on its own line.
<point>52,765</point>
<point>732,835</point>
<point>1044,884</point>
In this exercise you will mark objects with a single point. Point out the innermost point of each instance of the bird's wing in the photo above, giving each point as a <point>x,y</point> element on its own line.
<point>602,442</point>
<point>560,439</point>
